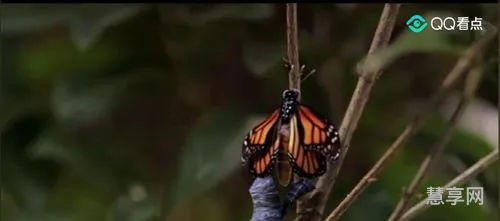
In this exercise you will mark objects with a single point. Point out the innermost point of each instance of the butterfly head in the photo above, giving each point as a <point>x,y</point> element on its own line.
<point>291,95</point>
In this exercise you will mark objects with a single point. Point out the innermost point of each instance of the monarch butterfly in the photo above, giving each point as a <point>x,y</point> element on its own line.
<point>293,138</point>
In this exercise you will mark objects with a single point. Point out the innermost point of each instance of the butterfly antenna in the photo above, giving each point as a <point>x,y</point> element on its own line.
<point>309,74</point>
<point>288,65</point>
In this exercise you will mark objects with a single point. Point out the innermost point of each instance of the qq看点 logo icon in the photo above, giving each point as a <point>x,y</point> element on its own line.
<point>416,23</point>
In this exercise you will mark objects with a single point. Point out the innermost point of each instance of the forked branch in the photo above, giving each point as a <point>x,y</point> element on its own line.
<point>313,204</point>
<point>464,177</point>
<point>467,96</point>
<point>292,45</point>
<point>462,66</point>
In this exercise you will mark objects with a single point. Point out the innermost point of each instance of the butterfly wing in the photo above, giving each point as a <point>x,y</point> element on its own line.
<point>315,141</point>
<point>260,146</point>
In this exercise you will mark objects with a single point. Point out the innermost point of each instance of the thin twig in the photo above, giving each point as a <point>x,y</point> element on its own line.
<point>321,31</point>
<point>464,177</point>
<point>463,64</point>
<point>316,201</point>
<point>471,84</point>
<point>292,50</point>
<point>292,45</point>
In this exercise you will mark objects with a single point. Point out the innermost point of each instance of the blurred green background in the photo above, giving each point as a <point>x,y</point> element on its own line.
<point>137,112</point>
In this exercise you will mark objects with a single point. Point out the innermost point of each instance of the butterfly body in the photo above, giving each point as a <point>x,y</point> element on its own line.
<point>284,169</point>
<point>288,109</point>
<point>293,138</point>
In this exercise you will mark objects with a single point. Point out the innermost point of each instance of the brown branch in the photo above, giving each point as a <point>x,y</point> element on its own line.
<point>463,64</point>
<point>315,202</point>
<point>464,177</point>
<point>429,162</point>
<point>292,45</point>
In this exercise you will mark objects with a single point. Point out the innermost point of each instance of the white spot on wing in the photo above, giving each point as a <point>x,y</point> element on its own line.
<point>334,139</point>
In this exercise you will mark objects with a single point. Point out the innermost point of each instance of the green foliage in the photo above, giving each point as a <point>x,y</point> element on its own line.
<point>55,145</point>
<point>134,112</point>
<point>211,153</point>
<point>129,209</point>
<point>374,202</point>
<point>238,12</point>
<point>429,41</point>
<point>85,22</point>
<point>260,58</point>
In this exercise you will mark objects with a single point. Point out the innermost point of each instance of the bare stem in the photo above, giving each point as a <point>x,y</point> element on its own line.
<point>463,65</point>
<point>315,202</point>
<point>292,45</point>
<point>464,177</point>
<point>436,152</point>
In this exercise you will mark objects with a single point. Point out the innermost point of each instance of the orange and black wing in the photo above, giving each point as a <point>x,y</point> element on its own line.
<point>314,141</point>
<point>260,146</point>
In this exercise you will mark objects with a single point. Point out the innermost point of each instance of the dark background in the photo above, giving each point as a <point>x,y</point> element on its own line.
<point>137,112</point>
